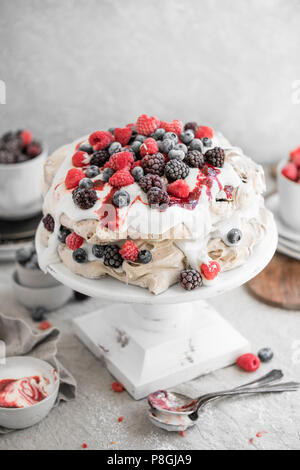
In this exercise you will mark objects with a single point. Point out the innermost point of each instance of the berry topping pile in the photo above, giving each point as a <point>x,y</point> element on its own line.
<point>292,169</point>
<point>18,147</point>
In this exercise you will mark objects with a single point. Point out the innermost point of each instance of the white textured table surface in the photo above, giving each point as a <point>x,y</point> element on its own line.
<point>231,424</point>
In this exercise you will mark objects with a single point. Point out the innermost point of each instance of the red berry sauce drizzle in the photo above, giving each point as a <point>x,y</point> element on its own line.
<point>16,393</point>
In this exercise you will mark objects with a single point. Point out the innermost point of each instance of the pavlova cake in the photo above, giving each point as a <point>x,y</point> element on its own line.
<point>152,204</point>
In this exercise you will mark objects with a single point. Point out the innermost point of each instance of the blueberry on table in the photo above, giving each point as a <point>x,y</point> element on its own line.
<point>265,354</point>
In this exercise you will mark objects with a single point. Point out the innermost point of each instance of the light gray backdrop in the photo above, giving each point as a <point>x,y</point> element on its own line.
<point>73,66</point>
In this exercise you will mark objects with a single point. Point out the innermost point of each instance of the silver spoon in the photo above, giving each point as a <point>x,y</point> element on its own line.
<point>180,422</point>
<point>177,403</point>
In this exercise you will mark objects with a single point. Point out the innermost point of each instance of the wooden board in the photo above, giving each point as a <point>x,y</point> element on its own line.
<point>279,283</point>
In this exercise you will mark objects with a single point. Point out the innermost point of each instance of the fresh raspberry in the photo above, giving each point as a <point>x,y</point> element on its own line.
<point>80,159</point>
<point>73,178</point>
<point>149,147</point>
<point>33,149</point>
<point>204,131</point>
<point>45,325</point>
<point>74,241</point>
<point>117,387</point>
<point>210,270</point>
<point>135,164</point>
<point>248,362</point>
<point>100,139</point>
<point>146,125</point>
<point>121,178</point>
<point>26,137</point>
<point>290,171</point>
<point>120,161</point>
<point>174,126</point>
<point>179,188</point>
<point>129,251</point>
<point>154,164</point>
<point>123,135</point>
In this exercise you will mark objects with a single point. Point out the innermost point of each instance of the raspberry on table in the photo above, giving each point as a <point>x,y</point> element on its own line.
<point>84,198</point>
<point>112,257</point>
<point>248,362</point>
<point>154,164</point>
<point>215,157</point>
<point>190,279</point>
<point>158,197</point>
<point>194,159</point>
<point>99,158</point>
<point>176,169</point>
<point>74,241</point>
<point>204,131</point>
<point>121,178</point>
<point>123,135</point>
<point>191,125</point>
<point>129,251</point>
<point>149,147</point>
<point>49,223</point>
<point>146,125</point>
<point>149,181</point>
<point>179,188</point>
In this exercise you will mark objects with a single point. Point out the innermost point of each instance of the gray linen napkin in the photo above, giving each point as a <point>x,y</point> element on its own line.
<point>21,341</point>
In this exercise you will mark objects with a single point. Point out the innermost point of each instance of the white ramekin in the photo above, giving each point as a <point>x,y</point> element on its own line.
<point>20,188</point>
<point>289,199</point>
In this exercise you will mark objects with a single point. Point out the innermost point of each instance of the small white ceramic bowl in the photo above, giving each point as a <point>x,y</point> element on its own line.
<point>50,298</point>
<point>289,199</point>
<point>24,366</point>
<point>20,188</point>
<point>35,278</point>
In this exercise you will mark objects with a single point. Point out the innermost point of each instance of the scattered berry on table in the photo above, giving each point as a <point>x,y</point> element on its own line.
<point>159,134</point>
<point>146,125</point>
<point>290,171</point>
<point>196,144</point>
<point>179,188</point>
<point>215,157</point>
<point>149,147</point>
<point>190,279</point>
<point>45,325</point>
<point>234,236</point>
<point>49,223</point>
<point>100,139</point>
<point>123,135</point>
<point>74,241</point>
<point>176,154</point>
<point>191,125</point>
<point>112,257</point>
<point>137,173</point>
<point>80,158</point>
<point>211,270</point>
<point>154,164</point>
<point>187,136</point>
<point>265,354</point>
<point>84,446</point>
<point>176,170</point>
<point>114,147</point>
<point>117,387</point>
<point>204,131</point>
<point>121,198</point>
<point>145,257</point>
<point>99,158</point>
<point>106,174</point>
<point>98,250</point>
<point>92,171</point>
<point>84,198</point>
<point>194,159</point>
<point>206,142</point>
<point>168,145</point>
<point>248,362</point>
<point>120,419</point>
<point>121,178</point>
<point>86,183</point>
<point>129,251</point>
<point>73,178</point>
<point>158,197</point>
<point>121,161</point>
<point>39,314</point>
<point>63,233</point>
<point>80,256</point>
<point>149,181</point>
<point>86,148</point>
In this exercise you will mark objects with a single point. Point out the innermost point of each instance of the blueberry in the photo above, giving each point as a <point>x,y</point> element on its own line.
<point>265,354</point>
<point>160,144</point>
<point>80,256</point>
<point>98,250</point>
<point>167,145</point>
<point>92,171</point>
<point>23,255</point>
<point>176,155</point>
<point>140,138</point>
<point>145,256</point>
<point>187,136</point>
<point>115,147</point>
<point>111,130</point>
<point>86,183</point>
<point>39,314</point>
<point>234,236</point>
<point>207,142</point>
<point>137,173</point>
<point>86,148</point>
<point>172,136</point>
<point>63,233</point>
<point>121,198</point>
<point>158,134</point>
<point>196,144</point>
<point>107,173</point>
<point>182,147</point>
<point>135,146</point>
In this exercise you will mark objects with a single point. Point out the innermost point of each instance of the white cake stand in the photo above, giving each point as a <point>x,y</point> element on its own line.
<point>151,342</point>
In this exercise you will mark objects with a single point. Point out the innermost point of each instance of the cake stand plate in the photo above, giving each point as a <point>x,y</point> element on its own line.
<point>151,342</point>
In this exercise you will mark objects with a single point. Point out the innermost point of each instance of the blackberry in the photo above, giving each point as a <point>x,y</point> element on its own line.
<point>187,136</point>
<point>215,157</point>
<point>158,197</point>
<point>112,257</point>
<point>150,181</point>
<point>154,164</point>
<point>265,354</point>
<point>107,173</point>
<point>206,142</point>
<point>194,159</point>
<point>176,170</point>
<point>86,183</point>
<point>63,233</point>
<point>137,173</point>
<point>121,198</point>
<point>80,256</point>
<point>49,223</point>
<point>115,147</point>
<point>145,257</point>
<point>7,157</point>
<point>99,158</point>
<point>86,148</point>
<point>84,198</point>
<point>191,125</point>
<point>190,279</point>
<point>196,144</point>
<point>98,250</point>
<point>92,171</point>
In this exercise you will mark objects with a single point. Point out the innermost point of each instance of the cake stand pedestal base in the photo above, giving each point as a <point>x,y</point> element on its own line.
<point>151,347</point>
